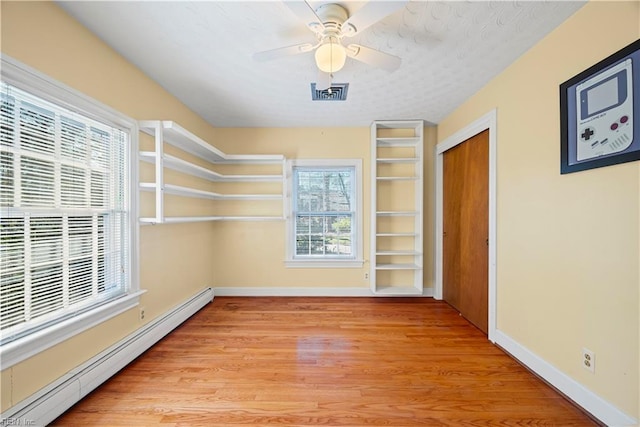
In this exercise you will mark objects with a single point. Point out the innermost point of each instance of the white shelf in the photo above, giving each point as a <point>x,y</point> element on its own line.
<point>181,138</point>
<point>262,159</point>
<point>177,190</point>
<point>397,160</point>
<point>397,178</point>
<point>397,213</point>
<point>398,267</point>
<point>185,219</point>
<point>180,165</point>
<point>398,142</point>
<point>397,124</point>
<point>397,253</point>
<point>398,290</point>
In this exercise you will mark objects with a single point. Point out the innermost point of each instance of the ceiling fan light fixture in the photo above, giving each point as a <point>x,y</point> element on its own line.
<point>330,55</point>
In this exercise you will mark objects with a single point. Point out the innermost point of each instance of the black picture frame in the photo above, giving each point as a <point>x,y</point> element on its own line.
<point>600,113</point>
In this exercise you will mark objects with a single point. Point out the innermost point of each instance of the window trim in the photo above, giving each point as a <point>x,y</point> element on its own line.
<point>357,261</point>
<point>33,81</point>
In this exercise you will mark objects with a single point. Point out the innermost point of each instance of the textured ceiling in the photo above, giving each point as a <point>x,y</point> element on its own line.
<point>201,52</point>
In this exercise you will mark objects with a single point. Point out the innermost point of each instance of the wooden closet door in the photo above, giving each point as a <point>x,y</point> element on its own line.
<point>466,229</point>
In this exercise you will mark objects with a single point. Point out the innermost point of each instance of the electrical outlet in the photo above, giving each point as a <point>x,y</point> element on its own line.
<point>366,276</point>
<point>141,313</point>
<point>589,360</point>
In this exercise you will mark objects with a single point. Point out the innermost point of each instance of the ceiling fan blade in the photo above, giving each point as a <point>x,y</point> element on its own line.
<point>373,57</point>
<point>368,15</point>
<point>306,13</point>
<point>268,55</point>
<point>323,81</point>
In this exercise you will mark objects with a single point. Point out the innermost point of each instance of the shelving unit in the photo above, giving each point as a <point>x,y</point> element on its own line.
<point>168,132</point>
<point>397,207</point>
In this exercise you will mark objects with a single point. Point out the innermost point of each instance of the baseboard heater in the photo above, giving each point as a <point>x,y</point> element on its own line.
<point>53,400</point>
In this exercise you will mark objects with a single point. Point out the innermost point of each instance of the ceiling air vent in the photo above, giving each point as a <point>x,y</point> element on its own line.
<point>337,92</point>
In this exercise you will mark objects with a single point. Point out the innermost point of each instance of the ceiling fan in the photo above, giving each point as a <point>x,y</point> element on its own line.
<point>331,23</point>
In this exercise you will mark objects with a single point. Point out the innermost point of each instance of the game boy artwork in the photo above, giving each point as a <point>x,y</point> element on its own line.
<point>603,114</point>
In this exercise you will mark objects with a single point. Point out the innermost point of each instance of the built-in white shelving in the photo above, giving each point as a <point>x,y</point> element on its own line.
<point>397,207</point>
<point>168,132</point>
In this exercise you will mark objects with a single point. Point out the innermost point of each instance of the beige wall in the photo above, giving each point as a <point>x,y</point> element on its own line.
<point>568,246</point>
<point>175,259</point>
<point>252,254</point>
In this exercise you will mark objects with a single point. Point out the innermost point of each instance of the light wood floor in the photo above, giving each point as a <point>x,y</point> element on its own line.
<point>325,361</point>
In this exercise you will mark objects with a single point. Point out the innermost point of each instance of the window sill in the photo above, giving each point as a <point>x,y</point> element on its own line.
<point>15,352</point>
<point>324,263</point>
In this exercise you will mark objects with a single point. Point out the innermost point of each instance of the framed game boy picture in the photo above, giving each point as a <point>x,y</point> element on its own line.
<point>600,113</point>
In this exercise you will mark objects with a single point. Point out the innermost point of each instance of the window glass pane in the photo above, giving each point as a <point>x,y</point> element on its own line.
<point>302,235</point>
<point>99,148</point>
<point>37,182</point>
<point>73,139</point>
<point>339,235</point>
<point>73,181</point>
<point>80,284</point>
<point>12,239</point>
<point>338,192</point>
<point>80,236</point>
<point>12,294</point>
<point>46,240</point>
<point>98,190</point>
<point>102,253</point>
<point>316,235</point>
<point>46,289</point>
<point>37,129</point>
<point>7,120</point>
<point>6,179</point>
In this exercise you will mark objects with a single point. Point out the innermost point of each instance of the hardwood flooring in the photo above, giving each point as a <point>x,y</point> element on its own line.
<point>325,361</point>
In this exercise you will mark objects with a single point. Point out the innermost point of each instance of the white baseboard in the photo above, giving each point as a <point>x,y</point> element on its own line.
<point>257,291</point>
<point>591,402</point>
<point>51,401</point>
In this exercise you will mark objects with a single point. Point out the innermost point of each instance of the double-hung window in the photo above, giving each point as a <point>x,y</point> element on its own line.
<point>325,213</point>
<point>66,227</point>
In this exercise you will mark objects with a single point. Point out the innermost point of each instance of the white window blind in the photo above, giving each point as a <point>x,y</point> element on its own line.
<point>63,213</point>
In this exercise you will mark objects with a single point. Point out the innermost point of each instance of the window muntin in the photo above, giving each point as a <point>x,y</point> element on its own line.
<point>63,213</point>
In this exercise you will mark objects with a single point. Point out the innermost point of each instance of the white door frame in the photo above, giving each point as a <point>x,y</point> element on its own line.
<point>488,121</point>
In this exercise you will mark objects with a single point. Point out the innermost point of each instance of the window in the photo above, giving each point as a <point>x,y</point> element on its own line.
<point>65,218</point>
<point>325,211</point>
